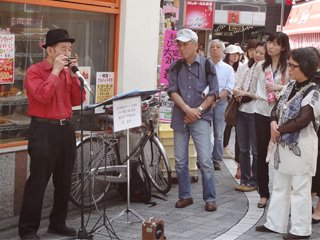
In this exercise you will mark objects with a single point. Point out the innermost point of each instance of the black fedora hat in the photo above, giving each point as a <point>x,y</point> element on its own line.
<point>55,36</point>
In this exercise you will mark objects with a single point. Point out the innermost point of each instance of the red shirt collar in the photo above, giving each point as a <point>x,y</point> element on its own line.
<point>46,65</point>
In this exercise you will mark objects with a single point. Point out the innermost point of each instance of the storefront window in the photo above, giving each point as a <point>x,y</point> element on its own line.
<point>28,24</point>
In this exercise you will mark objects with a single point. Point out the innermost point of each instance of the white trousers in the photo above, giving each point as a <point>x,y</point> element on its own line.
<point>298,190</point>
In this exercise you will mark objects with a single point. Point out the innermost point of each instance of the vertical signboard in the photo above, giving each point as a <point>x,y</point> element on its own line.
<point>170,54</point>
<point>6,58</point>
<point>233,17</point>
<point>199,15</point>
<point>104,88</point>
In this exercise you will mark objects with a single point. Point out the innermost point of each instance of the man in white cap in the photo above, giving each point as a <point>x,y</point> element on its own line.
<point>192,115</point>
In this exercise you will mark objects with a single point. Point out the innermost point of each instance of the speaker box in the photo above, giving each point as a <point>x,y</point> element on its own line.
<point>153,229</point>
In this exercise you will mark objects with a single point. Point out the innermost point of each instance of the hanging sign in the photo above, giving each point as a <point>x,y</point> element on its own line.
<point>199,15</point>
<point>169,55</point>
<point>6,58</point>
<point>104,88</point>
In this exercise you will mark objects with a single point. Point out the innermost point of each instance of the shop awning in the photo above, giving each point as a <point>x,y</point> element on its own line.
<point>303,18</point>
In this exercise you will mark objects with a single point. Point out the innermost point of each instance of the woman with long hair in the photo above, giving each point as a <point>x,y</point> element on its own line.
<point>245,128</point>
<point>269,78</point>
<point>295,120</point>
<point>232,58</point>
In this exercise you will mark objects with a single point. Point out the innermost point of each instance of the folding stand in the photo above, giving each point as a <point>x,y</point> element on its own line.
<point>128,210</point>
<point>106,222</point>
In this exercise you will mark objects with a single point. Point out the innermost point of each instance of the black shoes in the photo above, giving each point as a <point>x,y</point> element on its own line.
<point>30,236</point>
<point>216,165</point>
<point>292,236</point>
<point>62,230</point>
<point>262,228</point>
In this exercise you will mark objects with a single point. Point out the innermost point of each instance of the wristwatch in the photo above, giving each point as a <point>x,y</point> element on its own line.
<point>201,109</point>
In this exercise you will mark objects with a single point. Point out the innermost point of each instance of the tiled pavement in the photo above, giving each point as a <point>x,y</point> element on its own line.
<point>236,217</point>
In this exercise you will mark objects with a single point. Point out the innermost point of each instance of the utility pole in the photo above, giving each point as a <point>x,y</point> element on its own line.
<point>181,14</point>
<point>282,15</point>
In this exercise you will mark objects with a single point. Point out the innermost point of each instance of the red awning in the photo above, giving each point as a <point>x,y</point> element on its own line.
<point>303,18</point>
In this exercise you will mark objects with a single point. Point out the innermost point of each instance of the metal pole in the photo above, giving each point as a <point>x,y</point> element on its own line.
<point>181,15</point>
<point>282,15</point>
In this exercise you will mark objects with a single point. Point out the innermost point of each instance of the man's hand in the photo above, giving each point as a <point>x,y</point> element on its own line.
<point>192,114</point>
<point>73,62</point>
<point>58,64</point>
<point>274,130</point>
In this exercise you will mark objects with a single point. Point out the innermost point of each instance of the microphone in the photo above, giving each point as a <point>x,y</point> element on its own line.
<point>83,81</point>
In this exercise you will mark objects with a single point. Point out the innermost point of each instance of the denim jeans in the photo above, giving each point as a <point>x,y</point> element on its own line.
<point>200,132</point>
<point>218,129</point>
<point>247,140</point>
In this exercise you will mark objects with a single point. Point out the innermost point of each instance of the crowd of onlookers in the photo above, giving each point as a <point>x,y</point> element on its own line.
<point>275,92</point>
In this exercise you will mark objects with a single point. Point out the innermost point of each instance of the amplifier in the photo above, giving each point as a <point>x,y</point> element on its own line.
<point>153,229</point>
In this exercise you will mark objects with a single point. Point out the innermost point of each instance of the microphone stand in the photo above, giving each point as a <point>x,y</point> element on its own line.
<point>82,233</point>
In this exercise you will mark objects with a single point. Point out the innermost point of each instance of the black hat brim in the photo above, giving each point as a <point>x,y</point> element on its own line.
<point>72,40</point>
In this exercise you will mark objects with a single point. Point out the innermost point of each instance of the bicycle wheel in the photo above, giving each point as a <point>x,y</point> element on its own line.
<point>94,151</point>
<point>157,164</point>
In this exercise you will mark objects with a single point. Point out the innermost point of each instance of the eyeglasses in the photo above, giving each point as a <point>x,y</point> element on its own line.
<point>292,66</point>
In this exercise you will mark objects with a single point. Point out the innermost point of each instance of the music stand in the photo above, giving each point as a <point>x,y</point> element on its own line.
<point>144,95</point>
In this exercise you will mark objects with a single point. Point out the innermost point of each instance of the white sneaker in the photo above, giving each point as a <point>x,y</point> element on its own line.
<point>228,154</point>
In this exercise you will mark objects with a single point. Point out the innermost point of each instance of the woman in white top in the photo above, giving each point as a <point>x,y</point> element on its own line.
<point>246,131</point>
<point>295,120</point>
<point>274,71</point>
<point>232,58</point>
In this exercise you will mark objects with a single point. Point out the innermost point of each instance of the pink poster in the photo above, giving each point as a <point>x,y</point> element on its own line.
<point>199,15</point>
<point>170,54</point>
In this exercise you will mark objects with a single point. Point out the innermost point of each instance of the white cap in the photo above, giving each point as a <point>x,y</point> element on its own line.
<point>232,49</point>
<point>240,50</point>
<point>186,35</point>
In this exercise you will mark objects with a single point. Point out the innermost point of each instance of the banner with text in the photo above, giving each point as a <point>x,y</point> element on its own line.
<point>199,15</point>
<point>170,54</point>
<point>6,58</point>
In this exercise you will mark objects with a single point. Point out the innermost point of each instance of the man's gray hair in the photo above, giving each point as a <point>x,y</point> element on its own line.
<point>193,41</point>
<point>219,41</point>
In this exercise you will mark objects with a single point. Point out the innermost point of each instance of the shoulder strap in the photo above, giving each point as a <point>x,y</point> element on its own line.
<point>208,69</point>
<point>313,87</point>
<point>178,66</point>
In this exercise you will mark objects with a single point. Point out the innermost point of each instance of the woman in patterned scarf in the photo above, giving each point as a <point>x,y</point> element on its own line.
<point>295,120</point>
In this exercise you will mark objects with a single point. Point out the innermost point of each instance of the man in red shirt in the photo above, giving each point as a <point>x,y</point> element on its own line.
<point>52,90</point>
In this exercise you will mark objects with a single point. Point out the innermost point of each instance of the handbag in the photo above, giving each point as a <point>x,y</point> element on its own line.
<point>231,113</point>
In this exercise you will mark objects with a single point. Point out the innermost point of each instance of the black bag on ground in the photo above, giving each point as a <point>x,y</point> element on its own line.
<point>140,185</point>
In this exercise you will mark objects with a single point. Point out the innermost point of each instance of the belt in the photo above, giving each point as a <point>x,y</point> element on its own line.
<point>61,122</point>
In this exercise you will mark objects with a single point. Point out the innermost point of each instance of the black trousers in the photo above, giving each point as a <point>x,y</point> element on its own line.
<point>316,179</point>
<point>52,150</point>
<point>262,125</point>
<point>226,139</point>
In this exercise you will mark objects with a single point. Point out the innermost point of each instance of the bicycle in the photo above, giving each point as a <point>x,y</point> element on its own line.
<point>101,154</point>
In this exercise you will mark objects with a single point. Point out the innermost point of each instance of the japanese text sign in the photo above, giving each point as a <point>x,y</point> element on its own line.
<point>127,113</point>
<point>104,88</point>
<point>6,58</point>
<point>170,54</point>
<point>35,22</point>
<point>199,14</point>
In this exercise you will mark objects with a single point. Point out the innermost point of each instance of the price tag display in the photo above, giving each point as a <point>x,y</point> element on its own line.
<point>6,58</point>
